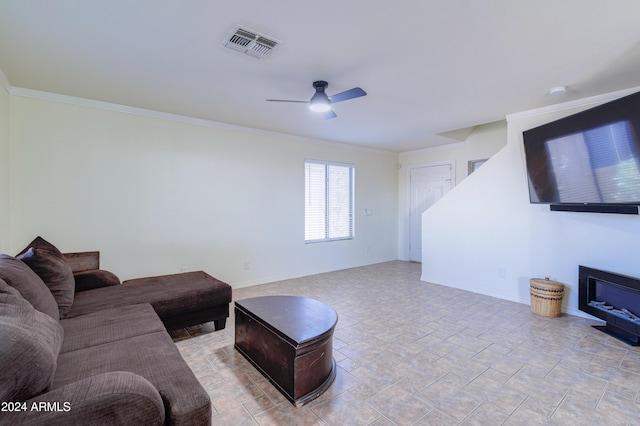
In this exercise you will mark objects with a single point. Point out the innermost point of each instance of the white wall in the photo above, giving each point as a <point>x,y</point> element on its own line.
<point>483,142</point>
<point>5,187</point>
<point>486,237</point>
<point>156,195</point>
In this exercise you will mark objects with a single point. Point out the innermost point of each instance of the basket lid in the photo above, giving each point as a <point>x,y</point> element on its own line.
<point>546,282</point>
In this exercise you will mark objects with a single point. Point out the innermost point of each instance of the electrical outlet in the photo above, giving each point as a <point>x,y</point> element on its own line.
<point>246,265</point>
<point>183,269</point>
<point>502,272</point>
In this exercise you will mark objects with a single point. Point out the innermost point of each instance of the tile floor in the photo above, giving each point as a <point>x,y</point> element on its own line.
<point>414,353</point>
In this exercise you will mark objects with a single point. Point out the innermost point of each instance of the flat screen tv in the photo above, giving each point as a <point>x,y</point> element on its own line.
<point>589,161</point>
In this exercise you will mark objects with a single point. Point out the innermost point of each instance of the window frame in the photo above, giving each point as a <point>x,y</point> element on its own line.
<point>327,205</point>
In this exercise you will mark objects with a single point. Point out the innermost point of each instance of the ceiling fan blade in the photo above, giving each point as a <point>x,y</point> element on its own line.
<point>329,115</point>
<point>285,100</point>
<point>356,92</point>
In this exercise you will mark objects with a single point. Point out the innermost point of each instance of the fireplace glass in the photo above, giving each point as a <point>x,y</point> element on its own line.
<point>613,298</point>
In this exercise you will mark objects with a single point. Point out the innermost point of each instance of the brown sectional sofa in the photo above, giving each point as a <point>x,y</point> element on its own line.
<point>99,354</point>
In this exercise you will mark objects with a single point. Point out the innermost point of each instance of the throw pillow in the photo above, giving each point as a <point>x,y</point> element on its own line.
<point>95,278</point>
<point>50,265</point>
<point>29,346</point>
<point>19,276</point>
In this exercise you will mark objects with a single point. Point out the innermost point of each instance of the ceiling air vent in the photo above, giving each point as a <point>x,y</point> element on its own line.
<point>250,42</point>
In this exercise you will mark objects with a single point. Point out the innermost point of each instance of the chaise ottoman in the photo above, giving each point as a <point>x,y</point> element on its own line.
<point>180,300</point>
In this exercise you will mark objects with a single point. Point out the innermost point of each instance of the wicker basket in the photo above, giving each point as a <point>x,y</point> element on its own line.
<point>546,297</point>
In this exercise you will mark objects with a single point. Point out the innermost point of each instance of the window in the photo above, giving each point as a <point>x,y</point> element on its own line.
<point>474,165</point>
<point>328,201</point>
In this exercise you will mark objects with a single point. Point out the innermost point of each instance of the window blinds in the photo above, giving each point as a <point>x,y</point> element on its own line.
<point>328,201</point>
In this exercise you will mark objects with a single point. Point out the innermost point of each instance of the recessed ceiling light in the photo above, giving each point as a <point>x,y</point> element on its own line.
<point>557,91</point>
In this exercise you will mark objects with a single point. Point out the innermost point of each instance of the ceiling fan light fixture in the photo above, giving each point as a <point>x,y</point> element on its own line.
<point>320,102</point>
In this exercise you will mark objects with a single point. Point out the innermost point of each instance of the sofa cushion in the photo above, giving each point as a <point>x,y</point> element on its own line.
<point>29,345</point>
<point>50,265</point>
<point>95,278</point>
<point>153,356</point>
<point>109,325</point>
<point>18,275</point>
<point>114,398</point>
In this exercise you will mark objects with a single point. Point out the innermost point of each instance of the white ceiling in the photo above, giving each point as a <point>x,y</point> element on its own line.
<point>428,66</point>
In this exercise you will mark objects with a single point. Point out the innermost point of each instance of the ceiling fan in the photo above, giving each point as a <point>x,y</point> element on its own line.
<point>321,102</point>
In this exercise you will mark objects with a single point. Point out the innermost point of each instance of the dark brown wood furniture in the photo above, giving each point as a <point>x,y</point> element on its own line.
<point>83,261</point>
<point>289,339</point>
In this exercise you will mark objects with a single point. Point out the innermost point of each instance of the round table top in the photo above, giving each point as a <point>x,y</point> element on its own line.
<point>299,318</point>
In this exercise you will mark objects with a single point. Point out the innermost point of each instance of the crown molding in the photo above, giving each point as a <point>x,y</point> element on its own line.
<point>442,147</point>
<point>124,109</point>
<point>584,102</point>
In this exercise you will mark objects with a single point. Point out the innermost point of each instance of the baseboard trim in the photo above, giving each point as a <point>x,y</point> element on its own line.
<point>303,273</point>
<point>523,301</point>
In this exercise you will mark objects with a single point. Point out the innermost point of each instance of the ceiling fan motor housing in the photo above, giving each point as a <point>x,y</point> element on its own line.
<point>320,85</point>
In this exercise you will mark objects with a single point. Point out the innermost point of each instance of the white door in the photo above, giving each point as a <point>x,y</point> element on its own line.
<point>427,185</point>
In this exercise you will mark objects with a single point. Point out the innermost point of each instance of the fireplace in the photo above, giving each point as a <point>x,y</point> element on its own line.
<point>613,298</point>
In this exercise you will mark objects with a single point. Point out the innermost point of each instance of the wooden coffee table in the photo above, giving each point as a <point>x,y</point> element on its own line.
<point>289,339</point>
